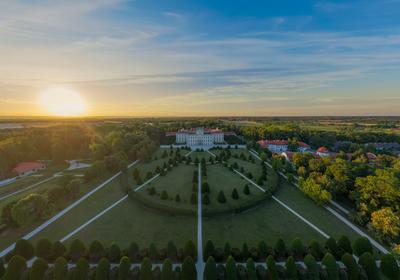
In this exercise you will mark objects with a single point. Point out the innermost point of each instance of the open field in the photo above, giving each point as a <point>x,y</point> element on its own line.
<point>31,179</point>
<point>221,178</point>
<point>178,181</point>
<point>131,221</point>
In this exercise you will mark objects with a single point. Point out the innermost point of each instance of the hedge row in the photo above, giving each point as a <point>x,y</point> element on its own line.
<point>94,251</point>
<point>296,249</point>
<point>239,209</point>
<point>40,270</point>
<point>163,209</point>
<point>310,269</point>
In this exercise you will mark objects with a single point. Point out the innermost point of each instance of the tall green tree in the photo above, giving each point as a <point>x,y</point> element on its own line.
<point>210,271</point>
<point>38,269</point>
<point>189,271</point>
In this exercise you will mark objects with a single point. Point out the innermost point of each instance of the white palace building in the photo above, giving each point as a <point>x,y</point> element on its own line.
<point>200,137</point>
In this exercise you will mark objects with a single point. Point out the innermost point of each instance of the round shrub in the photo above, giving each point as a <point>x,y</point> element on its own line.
<point>312,267</point>
<point>362,245</point>
<point>124,269</point>
<point>103,269</point>
<point>167,272</point>
<point>291,269</point>
<point>76,250</point>
<point>246,189</point>
<point>44,249</point>
<point>206,199</point>
<point>15,269</point>
<point>209,249</point>
<point>315,250</point>
<point>96,251</point>
<point>190,249</point>
<point>331,266</point>
<point>352,268</point>
<point>145,270</point>
<point>297,248</point>
<point>272,271</point>
<point>153,252</point>
<point>60,269</point>
<point>172,251</point>
<point>230,268</point>
<point>332,246</point>
<point>251,270</point>
<point>235,194</point>
<point>188,269</point>
<point>245,251</point>
<point>221,197</point>
<point>164,195</point>
<point>227,249</point>
<point>367,262</point>
<point>24,248</point>
<point>81,270</point>
<point>58,250</point>
<point>345,245</point>
<point>210,271</point>
<point>280,248</point>
<point>2,269</point>
<point>389,267</point>
<point>38,269</point>
<point>114,253</point>
<point>262,249</point>
<point>133,252</point>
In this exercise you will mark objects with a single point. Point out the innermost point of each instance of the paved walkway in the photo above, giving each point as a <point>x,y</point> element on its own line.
<point>200,261</point>
<point>338,215</point>
<point>286,207</point>
<point>28,188</point>
<point>68,236</point>
<point>188,154</point>
<point>211,153</point>
<point>63,212</point>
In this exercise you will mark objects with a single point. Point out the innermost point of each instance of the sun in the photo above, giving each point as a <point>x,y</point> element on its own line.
<point>62,101</point>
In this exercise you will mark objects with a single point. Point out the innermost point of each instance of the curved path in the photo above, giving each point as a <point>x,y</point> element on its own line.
<point>337,214</point>
<point>286,207</point>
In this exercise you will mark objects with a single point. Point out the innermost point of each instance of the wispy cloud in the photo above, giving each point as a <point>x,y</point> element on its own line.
<point>169,62</point>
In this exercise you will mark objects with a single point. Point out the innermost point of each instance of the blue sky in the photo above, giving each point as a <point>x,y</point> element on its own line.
<point>203,57</point>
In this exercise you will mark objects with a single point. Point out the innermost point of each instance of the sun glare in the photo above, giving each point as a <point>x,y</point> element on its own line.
<point>62,101</point>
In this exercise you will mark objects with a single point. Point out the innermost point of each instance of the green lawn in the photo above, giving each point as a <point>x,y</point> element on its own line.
<point>268,222</point>
<point>220,178</point>
<point>177,181</point>
<point>11,235</point>
<point>271,221</point>
<point>129,222</point>
<point>200,155</point>
<point>30,180</point>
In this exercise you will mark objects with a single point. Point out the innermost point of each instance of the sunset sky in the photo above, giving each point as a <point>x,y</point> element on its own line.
<point>194,58</point>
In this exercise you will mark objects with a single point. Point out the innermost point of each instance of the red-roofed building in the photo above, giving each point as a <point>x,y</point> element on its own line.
<point>323,152</point>
<point>371,157</point>
<point>288,156</point>
<point>26,168</point>
<point>280,146</point>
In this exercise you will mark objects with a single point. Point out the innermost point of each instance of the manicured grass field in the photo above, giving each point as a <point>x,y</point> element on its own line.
<point>177,181</point>
<point>221,178</point>
<point>31,179</point>
<point>131,221</point>
<point>268,222</point>
<point>200,155</point>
